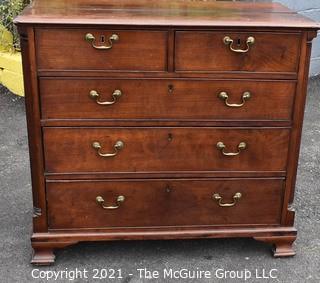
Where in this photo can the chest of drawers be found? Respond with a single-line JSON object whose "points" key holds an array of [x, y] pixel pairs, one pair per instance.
{"points": [[163, 120]]}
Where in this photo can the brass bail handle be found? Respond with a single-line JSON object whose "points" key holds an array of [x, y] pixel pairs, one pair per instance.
{"points": [[117, 147], [227, 40], [119, 200], [221, 146], [224, 96], [218, 198], [115, 96], [89, 37]]}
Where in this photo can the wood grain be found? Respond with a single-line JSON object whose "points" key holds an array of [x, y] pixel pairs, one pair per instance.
{"points": [[73, 204], [295, 141], [206, 52], [35, 141], [63, 49], [163, 13], [165, 149], [183, 100]]}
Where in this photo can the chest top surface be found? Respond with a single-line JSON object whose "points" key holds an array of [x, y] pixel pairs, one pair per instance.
{"points": [[163, 13]]}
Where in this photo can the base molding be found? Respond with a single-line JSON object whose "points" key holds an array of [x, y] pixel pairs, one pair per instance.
{"points": [[282, 245], [44, 243], [43, 252], [43, 256]]}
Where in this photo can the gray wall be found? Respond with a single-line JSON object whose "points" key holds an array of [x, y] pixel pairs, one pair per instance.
{"points": [[311, 9]]}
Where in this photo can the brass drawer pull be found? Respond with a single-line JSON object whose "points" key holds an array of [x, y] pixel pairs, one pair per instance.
{"points": [[221, 146], [90, 38], [227, 40], [218, 198], [224, 96], [100, 201], [117, 147], [115, 95]]}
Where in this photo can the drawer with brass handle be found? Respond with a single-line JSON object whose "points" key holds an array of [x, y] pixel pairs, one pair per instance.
{"points": [[197, 100], [117, 147], [119, 200], [208, 51], [102, 46], [146, 150], [64, 49], [241, 146], [116, 94], [229, 41], [140, 203], [237, 196]]}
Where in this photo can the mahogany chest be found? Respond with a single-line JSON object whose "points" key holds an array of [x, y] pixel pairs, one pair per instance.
{"points": [[163, 120]]}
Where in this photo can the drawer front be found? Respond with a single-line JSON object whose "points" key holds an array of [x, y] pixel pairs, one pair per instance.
{"points": [[74, 204], [165, 149], [207, 52], [68, 49], [166, 99]]}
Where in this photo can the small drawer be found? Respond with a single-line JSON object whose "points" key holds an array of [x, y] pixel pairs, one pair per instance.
{"points": [[147, 203], [237, 51], [165, 149], [98, 49], [196, 100]]}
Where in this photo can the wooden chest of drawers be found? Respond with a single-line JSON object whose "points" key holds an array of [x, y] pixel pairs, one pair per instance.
{"points": [[163, 120]]}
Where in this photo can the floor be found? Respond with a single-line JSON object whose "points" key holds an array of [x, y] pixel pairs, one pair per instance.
{"points": [[212, 255]]}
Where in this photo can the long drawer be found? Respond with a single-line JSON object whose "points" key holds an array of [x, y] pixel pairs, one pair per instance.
{"points": [[165, 149], [99, 49], [93, 98], [214, 51], [142, 203]]}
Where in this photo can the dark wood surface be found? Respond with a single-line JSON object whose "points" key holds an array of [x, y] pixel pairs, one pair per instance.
{"points": [[64, 49], [294, 148], [164, 203], [206, 52], [145, 99], [163, 13], [34, 128], [170, 64], [165, 149]]}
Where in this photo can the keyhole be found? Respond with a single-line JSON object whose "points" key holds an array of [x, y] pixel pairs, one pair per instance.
{"points": [[239, 41], [102, 39], [170, 89], [170, 137], [168, 189]]}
